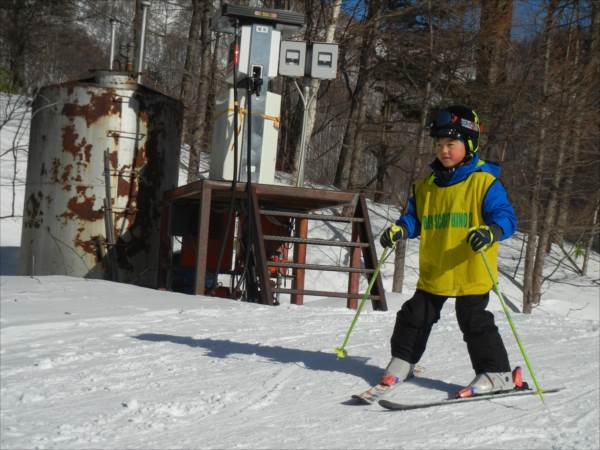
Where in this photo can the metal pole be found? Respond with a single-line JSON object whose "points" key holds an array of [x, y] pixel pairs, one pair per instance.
{"points": [[305, 102], [341, 351], [113, 29], [145, 5], [539, 390]]}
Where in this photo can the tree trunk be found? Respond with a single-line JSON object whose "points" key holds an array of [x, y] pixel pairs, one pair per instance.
{"points": [[210, 101], [534, 206], [347, 170], [567, 189], [191, 52], [382, 154], [568, 100], [198, 137], [494, 39], [548, 223], [590, 241], [400, 257], [132, 62]]}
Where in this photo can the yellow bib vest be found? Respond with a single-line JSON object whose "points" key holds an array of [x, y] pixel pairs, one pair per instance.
{"points": [[447, 264]]}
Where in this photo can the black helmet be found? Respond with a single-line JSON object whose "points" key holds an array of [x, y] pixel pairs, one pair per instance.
{"points": [[457, 122]]}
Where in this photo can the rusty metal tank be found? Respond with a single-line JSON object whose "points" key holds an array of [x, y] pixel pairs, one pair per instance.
{"points": [[64, 219]]}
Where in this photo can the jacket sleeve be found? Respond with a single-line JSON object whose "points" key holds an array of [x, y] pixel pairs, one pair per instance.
{"points": [[497, 210], [409, 220]]}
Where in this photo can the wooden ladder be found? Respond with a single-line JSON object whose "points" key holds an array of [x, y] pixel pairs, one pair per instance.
{"points": [[361, 243]]}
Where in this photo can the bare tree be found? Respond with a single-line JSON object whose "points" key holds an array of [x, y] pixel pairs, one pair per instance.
{"points": [[351, 151], [532, 234], [191, 53], [199, 137]]}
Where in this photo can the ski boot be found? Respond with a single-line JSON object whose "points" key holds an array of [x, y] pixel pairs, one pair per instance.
{"points": [[493, 382], [396, 372]]}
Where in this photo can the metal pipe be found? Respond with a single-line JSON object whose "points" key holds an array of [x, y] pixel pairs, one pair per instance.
{"points": [[305, 99], [145, 5], [113, 29]]}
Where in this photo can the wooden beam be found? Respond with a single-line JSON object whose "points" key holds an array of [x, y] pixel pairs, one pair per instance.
{"points": [[260, 255], [370, 254], [203, 227], [299, 258]]}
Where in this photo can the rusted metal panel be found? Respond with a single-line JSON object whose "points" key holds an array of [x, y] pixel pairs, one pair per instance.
{"points": [[73, 125]]}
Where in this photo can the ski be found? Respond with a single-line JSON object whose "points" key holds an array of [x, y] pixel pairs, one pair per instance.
{"points": [[377, 392], [396, 406]]}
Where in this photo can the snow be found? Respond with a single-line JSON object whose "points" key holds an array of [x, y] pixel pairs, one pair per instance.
{"points": [[96, 364]]}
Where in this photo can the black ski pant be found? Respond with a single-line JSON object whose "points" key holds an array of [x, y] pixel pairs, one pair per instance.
{"points": [[417, 316]]}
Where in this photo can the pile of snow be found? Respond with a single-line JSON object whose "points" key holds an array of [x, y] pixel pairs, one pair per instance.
{"points": [[95, 364]]}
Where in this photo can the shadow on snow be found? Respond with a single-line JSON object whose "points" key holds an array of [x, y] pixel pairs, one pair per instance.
{"points": [[313, 360]]}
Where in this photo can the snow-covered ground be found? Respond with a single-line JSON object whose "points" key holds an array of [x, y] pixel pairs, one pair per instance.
{"points": [[95, 364]]}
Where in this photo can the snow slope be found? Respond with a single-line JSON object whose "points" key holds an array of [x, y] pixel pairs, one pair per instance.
{"points": [[102, 365]]}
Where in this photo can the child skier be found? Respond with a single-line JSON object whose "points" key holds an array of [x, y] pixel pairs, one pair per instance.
{"points": [[458, 210]]}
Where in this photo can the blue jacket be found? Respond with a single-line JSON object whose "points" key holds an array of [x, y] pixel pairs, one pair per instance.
{"points": [[497, 209]]}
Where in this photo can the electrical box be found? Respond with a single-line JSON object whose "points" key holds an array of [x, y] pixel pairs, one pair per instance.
{"points": [[322, 61], [264, 158], [292, 59], [259, 50]]}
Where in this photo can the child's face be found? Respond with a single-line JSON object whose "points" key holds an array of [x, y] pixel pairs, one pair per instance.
{"points": [[450, 152]]}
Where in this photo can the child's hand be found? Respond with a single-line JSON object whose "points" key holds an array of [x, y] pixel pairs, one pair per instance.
{"points": [[392, 235], [480, 238]]}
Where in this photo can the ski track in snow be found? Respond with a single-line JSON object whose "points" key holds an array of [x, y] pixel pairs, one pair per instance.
{"points": [[200, 372]]}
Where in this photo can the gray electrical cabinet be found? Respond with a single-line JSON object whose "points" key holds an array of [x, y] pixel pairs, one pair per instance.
{"points": [[322, 61], [292, 58]]}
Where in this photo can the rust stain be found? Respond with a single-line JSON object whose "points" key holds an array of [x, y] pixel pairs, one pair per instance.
{"points": [[69, 140], [83, 150], [100, 105], [33, 212], [122, 187], [88, 246], [66, 216], [54, 170], [87, 151], [66, 173], [141, 156], [114, 159], [84, 210], [144, 117]]}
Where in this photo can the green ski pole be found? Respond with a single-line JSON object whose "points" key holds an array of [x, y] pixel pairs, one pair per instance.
{"points": [[512, 326], [341, 351]]}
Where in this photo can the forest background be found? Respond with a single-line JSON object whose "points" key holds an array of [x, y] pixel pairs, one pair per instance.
{"points": [[531, 69]]}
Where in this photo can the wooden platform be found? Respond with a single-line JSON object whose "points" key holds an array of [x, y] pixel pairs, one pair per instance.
{"points": [[300, 205]]}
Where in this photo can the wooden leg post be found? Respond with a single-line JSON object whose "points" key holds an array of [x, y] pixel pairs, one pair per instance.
{"points": [[354, 277], [300, 258], [203, 227]]}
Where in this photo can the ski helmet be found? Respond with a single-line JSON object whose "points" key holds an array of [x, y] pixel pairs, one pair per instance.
{"points": [[457, 122]]}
